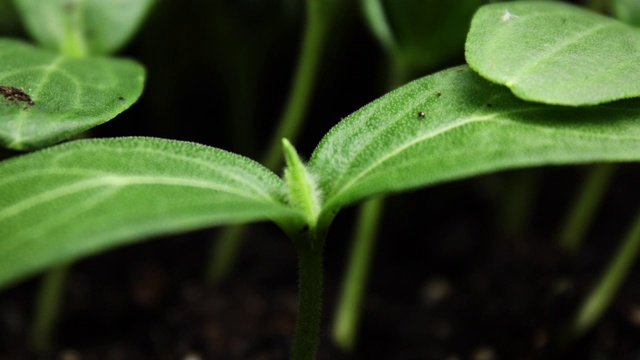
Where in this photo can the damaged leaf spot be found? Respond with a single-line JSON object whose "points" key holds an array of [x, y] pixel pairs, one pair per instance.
{"points": [[420, 114], [15, 94]]}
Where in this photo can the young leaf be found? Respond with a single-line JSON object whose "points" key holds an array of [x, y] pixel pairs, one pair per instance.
{"points": [[70, 95], [428, 32], [555, 53], [303, 193], [88, 27], [455, 124], [627, 11], [87, 196]]}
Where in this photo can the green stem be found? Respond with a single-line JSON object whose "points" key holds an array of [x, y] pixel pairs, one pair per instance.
{"points": [[75, 43], [586, 204], [312, 48], [306, 337], [374, 14], [345, 323], [47, 308], [349, 311], [224, 255], [517, 202], [600, 297]]}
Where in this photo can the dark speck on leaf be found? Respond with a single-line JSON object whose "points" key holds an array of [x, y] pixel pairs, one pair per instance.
{"points": [[439, 94], [15, 94], [489, 105], [120, 98], [420, 114]]}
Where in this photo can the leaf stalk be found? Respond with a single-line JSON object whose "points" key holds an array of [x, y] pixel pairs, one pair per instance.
{"points": [[601, 296]]}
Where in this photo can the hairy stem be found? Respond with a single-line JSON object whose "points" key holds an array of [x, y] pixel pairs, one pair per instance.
{"points": [[306, 337]]}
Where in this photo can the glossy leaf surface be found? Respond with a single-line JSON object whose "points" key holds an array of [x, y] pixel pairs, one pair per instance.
{"points": [[455, 124], [87, 196], [555, 53], [70, 95], [87, 27]]}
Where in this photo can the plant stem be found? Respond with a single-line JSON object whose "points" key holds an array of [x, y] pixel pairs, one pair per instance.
{"points": [[363, 243], [312, 48], [373, 12], [600, 297], [225, 252], [585, 206], [517, 202], [47, 307], [74, 43], [345, 323], [306, 337]]}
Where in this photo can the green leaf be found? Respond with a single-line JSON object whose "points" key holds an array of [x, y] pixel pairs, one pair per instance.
{"points": [[455, 124], [627, 11], [9, 22], [71, 95], [555, 53], [83, 27], [426, 32], [303, 193], [86, 196]]}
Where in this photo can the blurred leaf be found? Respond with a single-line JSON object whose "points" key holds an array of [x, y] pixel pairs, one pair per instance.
{"points": [[83, 27], [87, 196], [555, 53], [242, 35], [429, 32], [455, 124], [71, 95], [9, 21], [376, 17], [627, 11]]}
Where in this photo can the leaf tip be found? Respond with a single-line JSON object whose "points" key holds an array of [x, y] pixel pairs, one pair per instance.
{"points": [[302, 186]]}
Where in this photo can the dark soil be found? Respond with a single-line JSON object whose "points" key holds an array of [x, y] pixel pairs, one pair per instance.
{"points": [[446, 285]]}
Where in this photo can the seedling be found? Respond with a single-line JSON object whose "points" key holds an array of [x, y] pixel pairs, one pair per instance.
{"points": [[126, 188], [84, 197], [521, 46]]}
